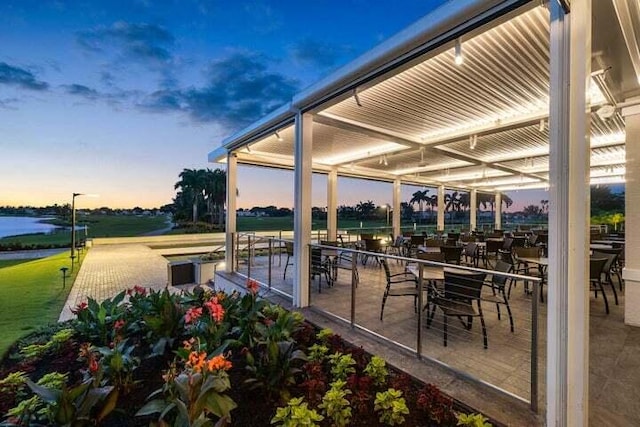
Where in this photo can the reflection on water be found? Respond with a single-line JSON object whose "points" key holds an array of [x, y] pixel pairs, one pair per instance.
{"points": [[15, 225]]}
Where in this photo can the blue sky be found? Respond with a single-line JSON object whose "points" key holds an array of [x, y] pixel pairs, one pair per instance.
{"points": [[117, 97]]}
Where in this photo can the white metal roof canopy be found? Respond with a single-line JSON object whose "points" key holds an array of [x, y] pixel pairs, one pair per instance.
{"points": [[481, 123]]}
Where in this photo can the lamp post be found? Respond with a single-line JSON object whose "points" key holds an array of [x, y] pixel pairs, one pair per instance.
{"points": [[73, 226]]}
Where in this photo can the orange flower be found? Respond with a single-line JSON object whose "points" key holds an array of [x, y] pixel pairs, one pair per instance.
{"points": [[218, 363], [252, 286], [215, 309], [193, 314], [197, 360]]}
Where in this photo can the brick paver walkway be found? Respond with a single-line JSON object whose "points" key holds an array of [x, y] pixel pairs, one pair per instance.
{"points": [[110, 269]]}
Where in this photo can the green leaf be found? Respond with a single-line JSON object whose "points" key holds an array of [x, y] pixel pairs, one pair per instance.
{"points": [[152, 407], [46, 394], [109, 405], [220, 404]]}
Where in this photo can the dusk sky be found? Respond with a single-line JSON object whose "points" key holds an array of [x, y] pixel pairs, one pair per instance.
{"points": [[117, 97]]}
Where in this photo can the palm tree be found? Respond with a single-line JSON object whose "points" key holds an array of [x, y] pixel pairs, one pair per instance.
{"points": [[192, 183], [215, 190], [365, 209], [419, 197]]}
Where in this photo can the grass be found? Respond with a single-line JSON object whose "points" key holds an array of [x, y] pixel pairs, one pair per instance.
{"points": [[31, 295], [11, 262], [99, 226]]}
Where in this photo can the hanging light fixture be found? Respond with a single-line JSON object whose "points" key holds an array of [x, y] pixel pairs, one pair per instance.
{"points": [[458, 53], [473, 141], [384, 159], [356, 97], [279, 137], [542, 125]]}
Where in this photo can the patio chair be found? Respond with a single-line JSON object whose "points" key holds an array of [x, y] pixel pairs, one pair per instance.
{"points": [[289, 248], [319, 267], [471, 254], [616, 268], [371, 245], [524, 268], [400, 284], [607, 270], [452, 254], [491, 250], [507, 244], [460, 291], [498, 285], [596, 267], [397, 247]]}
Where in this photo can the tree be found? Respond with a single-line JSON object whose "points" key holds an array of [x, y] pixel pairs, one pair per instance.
{"points": [[419, 197], [603, 199], [407, 210], [215, 190], [366, 209], [531, 210], [192, 182]]}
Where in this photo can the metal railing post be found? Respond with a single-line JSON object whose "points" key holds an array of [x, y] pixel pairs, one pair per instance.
{"points": [[237, 252], [534, 346], [249, 256], [419, 337], [269, 271], [354, 262], [232, 257]]}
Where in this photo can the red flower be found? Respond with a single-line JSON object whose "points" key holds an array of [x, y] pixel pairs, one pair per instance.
{"points": [[119, 324], [80, 307], [137, 290], [192, 314], [252, 286], [93, 365], [215, 309]]}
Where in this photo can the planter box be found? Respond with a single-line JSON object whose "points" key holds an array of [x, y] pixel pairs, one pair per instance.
{"points": [[180, 273], [204, 271]]}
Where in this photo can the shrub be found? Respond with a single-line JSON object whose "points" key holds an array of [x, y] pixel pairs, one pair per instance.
{"points": [[391, 406], [296, 414], [473, 420], [335, 404], [376, 369], [341, 366]]}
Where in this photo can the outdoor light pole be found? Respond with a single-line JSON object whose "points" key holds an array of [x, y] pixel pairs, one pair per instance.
{"points": [[73, 225]]}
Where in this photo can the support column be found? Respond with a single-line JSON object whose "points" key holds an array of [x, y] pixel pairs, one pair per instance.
{"points": [[332, 205], [441, 208], [302, 208], [473, 210], [568, 293], [498, 212], [397, 210], [631, 272], [230, 217]]}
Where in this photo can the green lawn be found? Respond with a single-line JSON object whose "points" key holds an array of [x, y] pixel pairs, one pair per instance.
{"points": [[9, 262], [99, 226], [31, 295]]}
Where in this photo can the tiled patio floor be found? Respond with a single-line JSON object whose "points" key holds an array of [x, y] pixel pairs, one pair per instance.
{"points": [[614, 378]]}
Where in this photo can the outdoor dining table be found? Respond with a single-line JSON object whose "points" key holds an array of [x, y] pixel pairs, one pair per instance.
{"points": [[428, 249], [542, 263], [608, 242], [596, 246]]}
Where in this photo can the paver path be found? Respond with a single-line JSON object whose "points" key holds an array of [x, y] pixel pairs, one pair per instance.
{"points": [[110, 269]]}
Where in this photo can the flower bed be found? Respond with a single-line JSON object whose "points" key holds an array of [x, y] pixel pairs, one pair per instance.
{"points": [[205, 359]]}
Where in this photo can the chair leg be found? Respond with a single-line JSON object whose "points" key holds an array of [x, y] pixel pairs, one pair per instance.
{"points": [[484, 328], [445, 330], [506, 302], [498, 309], [615, 293], [604, 296], [384, 300]]}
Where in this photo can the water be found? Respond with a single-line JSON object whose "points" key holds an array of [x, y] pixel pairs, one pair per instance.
{"points": [[15, 225]]}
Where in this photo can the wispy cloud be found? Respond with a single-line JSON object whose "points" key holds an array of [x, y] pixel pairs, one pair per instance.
{"points": [[239, 89], [8, 103], [21, 77], [144, 43], [81, 90]]}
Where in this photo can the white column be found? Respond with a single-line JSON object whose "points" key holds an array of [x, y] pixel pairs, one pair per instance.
{"points": [[230, 217], [498, 212], [397, 210], [332, 205], [473, 209], [302, 208], [441, 208], [631, 271], [568, 295]]}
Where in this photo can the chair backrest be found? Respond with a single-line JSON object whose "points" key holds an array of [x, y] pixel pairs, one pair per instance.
{"points": [[316, 258], [452, 235], [611, 259], [407, 233], [493, 246], [289, 248], [341, 240], [417, 240], [507, 244], [451, 253], [532, 252], [329, 243], [399, 242], [499, 280], [518, 241], [373, 245], [532, 240], [471, 249], [431, 256], [365, 236], [596, 267], [433, 243], [463, 286], [506, 256]]}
